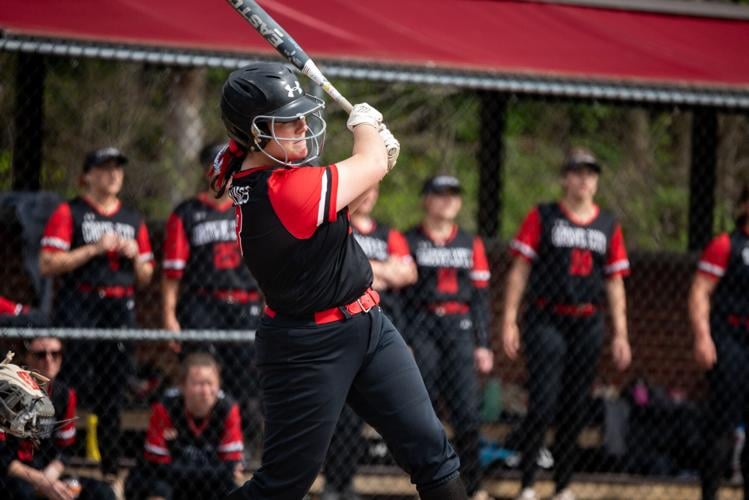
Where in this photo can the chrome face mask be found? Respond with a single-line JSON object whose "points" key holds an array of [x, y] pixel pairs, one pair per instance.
{"points": [[314, 135]]}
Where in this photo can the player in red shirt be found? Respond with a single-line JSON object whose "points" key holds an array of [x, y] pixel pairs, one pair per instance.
{"points": [[719, 314], [449, 316], [194, 444], [323, 340], [99, 251], [206, 286], [392, 269], [28, 472], [567, 256]]}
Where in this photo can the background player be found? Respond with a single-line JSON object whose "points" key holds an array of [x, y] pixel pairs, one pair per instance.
{"points": [[27, 472], [101, 251], [449, 316], [719, 314], [568, 253], [323, 341], [194, 441], [205, 284], [392, 268]]}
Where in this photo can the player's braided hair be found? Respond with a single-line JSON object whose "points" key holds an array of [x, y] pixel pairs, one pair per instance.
{"points": [[228, 161]]}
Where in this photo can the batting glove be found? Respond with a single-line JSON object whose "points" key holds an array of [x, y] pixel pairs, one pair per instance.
{"points": [[392, 145], [363, 113]]}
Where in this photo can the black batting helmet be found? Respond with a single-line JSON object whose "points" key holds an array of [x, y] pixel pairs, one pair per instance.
{"points": [[255, 96]]}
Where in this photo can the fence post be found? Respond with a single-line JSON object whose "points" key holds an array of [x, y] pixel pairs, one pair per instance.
{"points": [[29, 122], [702, 177], [491, 159]]}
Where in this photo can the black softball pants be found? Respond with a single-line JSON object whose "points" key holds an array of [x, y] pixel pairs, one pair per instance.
{"points": [[308, 372], [444, 347], [727, 407], [561, 354], [346, 448], [98, 369]]}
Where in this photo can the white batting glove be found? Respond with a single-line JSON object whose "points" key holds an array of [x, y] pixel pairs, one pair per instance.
{"points": [[363, 113], [392, 145]]}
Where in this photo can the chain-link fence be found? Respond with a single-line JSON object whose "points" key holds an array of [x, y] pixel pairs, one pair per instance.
{"points": [[519, 297]]}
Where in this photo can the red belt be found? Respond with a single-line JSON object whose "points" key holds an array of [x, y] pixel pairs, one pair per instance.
{"points": [[110, 292], [363, 304], [568, 309], [450, 307], [231, 296]]}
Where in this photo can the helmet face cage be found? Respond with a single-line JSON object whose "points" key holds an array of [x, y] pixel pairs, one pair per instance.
{"points": [[262, 129]]}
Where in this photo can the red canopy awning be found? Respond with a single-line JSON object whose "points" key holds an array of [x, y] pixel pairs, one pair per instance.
{"points": [[486, 38]]}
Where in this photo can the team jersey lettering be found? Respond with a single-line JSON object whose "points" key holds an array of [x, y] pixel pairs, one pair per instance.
{"points": [[429, 256], [374, 248], [93, 230], [581, 262], [226, 255], [565, 236], [214, 230]]}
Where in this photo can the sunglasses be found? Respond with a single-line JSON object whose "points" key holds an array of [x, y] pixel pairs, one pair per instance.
{"points": [[43, 354]]}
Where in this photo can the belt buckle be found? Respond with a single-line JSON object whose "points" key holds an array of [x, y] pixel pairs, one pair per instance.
{"points": [[363, 309]]}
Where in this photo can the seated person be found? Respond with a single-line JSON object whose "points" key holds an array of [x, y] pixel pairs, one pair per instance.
{"points": [[194, 444], [27, 472]]}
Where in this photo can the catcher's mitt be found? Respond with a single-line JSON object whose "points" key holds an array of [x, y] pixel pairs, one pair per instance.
{"points": [[25, 409]]}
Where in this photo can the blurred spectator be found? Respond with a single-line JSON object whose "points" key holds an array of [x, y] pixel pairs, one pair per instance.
{"points": [[17, 315], [194, 445], [392, 268], [100, 250], [568, 253], [27, 472], [206, 285], [449, 317], [719, 314]]}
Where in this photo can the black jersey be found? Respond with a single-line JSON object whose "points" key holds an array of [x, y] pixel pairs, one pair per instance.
{"points": [[300, 250], [454, 272], [175, 437], [727, 259], [77, 223], [54, 448], [201, 249], [571, 260], [379, 244]]}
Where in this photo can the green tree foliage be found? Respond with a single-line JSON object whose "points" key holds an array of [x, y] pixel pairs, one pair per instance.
{"points": [[645, 152]]}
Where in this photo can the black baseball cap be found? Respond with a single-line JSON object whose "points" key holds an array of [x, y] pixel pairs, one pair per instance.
{"points": [[441, 184], [579, 157], [100, 156], [209, 153]]}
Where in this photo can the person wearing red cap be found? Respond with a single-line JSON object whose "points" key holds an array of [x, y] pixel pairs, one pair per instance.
{"points": [[99, 250], [567, 256], [719, 315]]}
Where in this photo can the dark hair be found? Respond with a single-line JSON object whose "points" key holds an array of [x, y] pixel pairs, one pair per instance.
{"points": [[226, 164], [198, 359], [26, 344]]}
